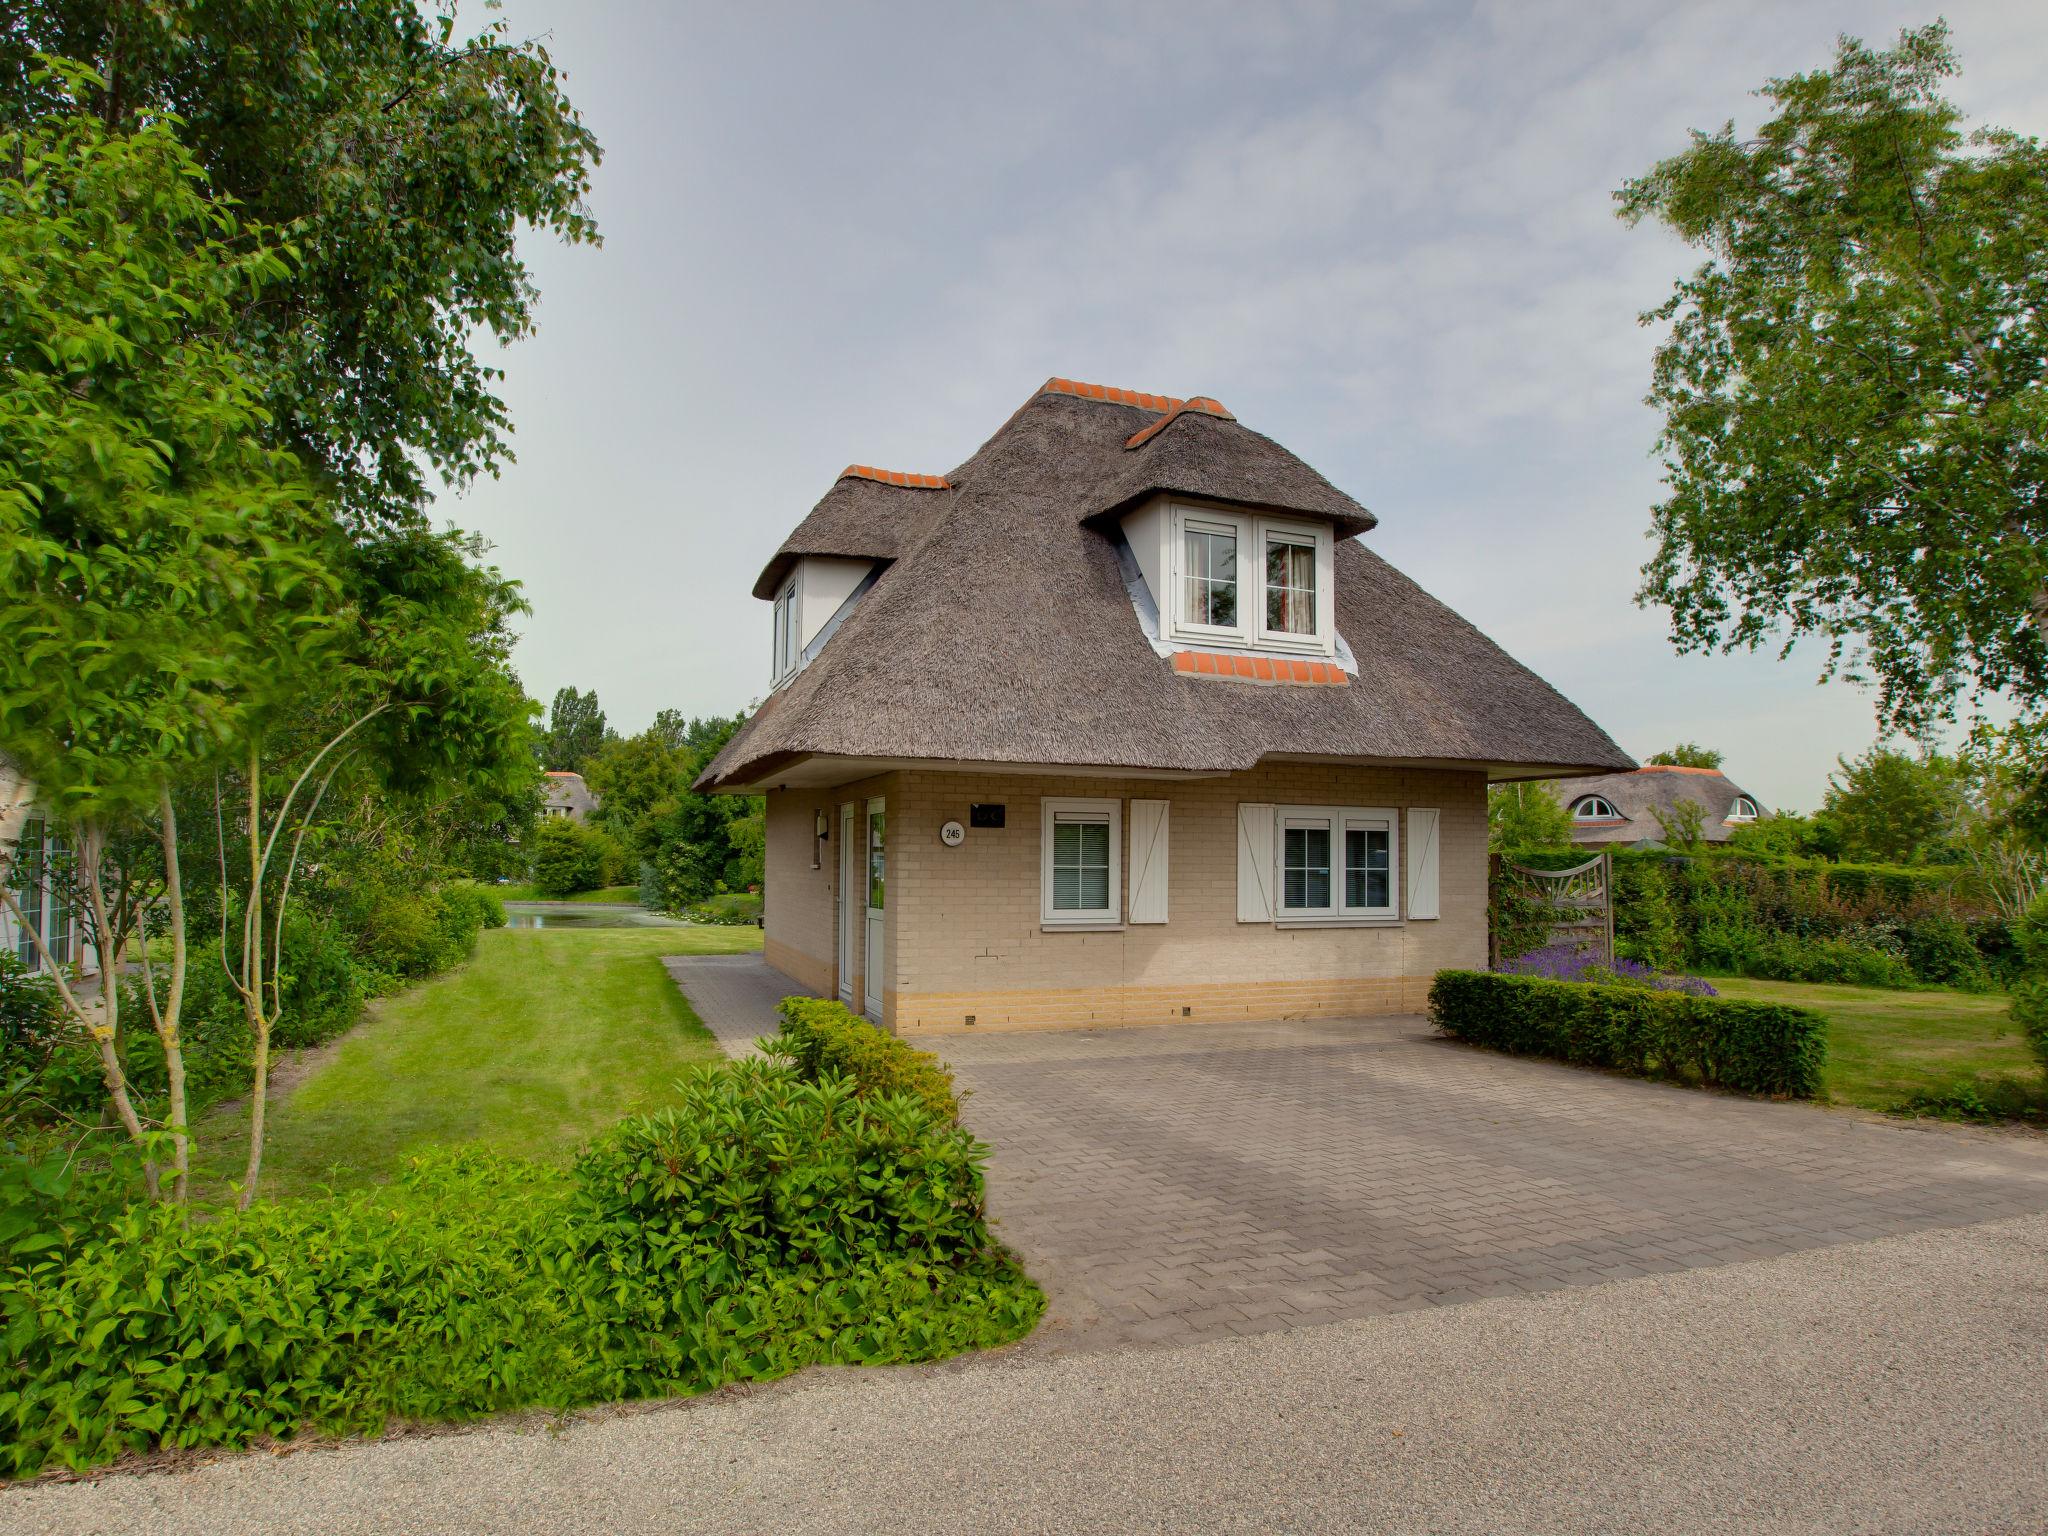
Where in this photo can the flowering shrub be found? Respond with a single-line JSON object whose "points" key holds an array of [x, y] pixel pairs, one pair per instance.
{"points": [[1568, 962]]}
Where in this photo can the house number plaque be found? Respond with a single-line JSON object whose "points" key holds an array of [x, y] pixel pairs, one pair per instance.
{"points": [[952, 834]]}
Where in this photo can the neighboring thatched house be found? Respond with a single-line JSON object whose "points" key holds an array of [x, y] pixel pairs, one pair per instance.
{"points": [[568, 796], [1118, 723], [1621, 808]]}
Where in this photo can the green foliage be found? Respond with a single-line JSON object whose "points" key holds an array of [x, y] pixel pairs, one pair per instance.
{"points": [[575, 733], [1686, 754], [405, 157], [1525, 816], [569, 857], [1891, 808], [1522, 920], [2030, 992], [164, 574], [1645, 916], [1681, 824], [733, 909], [762, 1224], [1760, 1048], [824, 1040], [1872, 279]]}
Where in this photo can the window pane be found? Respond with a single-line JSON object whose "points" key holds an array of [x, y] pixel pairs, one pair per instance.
{"points": [[1305, 868], [1211, 578], [877, 870], [1290, 588], [1080, 866], [1368, 873]]}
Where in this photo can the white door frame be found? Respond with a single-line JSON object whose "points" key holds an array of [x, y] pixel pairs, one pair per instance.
{"points": [[871, 955], [850, 887]]}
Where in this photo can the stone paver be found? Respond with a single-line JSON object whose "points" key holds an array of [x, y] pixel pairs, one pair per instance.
{"points": [[735, 996], [1168, 1185]]}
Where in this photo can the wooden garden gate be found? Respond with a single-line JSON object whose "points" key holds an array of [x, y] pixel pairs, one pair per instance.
{"points": [[1581, 901]]}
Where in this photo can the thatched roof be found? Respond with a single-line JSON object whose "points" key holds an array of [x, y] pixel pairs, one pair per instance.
{"points": [[1641, 794], [861, 516], [1003, 632]]}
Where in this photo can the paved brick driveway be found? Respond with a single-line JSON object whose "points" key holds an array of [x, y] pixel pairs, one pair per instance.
{"points": [[1169, 1184]]}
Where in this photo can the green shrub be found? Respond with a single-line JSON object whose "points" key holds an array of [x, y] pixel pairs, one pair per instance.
{"points": [[2029, 1008], [1754, 1047], [762, 1224], [1645, 916], [824, 1040], [728, 909], [569, 857]]}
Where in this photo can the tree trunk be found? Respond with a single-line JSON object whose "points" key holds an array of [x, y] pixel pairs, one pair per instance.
{"points": [[169, 1022], [89, 851], [252, 984]]}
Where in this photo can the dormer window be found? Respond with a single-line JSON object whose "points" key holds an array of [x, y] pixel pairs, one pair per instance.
{"points": [[1744, 809], [788, 645], [1595, 808], [1213, 555]]}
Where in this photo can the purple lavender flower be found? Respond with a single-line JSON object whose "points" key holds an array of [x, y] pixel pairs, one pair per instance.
{"points": [[1569, 962]]}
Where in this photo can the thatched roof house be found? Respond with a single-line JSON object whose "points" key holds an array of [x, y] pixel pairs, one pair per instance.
{"points": [[1123, 605], [567, 796], [1624, 808]]}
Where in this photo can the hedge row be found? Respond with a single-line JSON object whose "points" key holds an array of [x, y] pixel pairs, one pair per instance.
{"points": [[824, 1040], [761, 1224], [1763, 1048]]}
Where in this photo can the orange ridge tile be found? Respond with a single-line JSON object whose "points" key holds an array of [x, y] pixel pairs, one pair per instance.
{"points": [[1201, 403], [896, 477], [1260, 669], [1111, 394]]}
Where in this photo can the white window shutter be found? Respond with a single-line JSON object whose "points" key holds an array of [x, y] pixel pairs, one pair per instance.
{"points": [[1148, 861], [1422, 862], [1255, 863]]}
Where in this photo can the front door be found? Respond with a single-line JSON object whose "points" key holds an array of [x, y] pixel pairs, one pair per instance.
{"points": [[877, 874], [851, 902]]}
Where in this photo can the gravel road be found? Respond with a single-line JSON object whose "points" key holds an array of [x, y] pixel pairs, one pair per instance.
{"points": [[1899, 1385]]}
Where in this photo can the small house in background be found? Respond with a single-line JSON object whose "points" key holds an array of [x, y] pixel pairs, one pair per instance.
{"points": [[35, 855], [568, 797], [1621, 809]]}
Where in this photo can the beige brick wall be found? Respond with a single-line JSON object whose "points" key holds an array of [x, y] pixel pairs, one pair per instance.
{"points": [[964, 935]]}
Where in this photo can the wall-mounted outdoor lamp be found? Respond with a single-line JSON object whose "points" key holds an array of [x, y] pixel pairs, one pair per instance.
{"points": [[823, 824]]}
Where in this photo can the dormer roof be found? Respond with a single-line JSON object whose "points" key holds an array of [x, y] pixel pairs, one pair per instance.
{"points": [[869, 514], [1002, 631]]}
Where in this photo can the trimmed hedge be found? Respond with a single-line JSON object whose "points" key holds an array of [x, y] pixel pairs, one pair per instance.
{"points": [[824, 1040], [1764, 1048]]}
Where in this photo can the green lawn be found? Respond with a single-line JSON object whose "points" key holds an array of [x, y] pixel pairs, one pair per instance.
{"points": [[625, 895], [542, 1038], [1887, 1048]]}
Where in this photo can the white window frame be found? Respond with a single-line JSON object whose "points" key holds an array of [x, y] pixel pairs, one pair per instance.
{"points": [[1069, 809], [786, 650], [1338, 819], [1251, 532], [1737, 813], [1582, 809]]}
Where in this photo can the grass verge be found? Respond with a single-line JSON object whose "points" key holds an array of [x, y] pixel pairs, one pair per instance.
{"points": [[541, 1039], [1933, 1050]]}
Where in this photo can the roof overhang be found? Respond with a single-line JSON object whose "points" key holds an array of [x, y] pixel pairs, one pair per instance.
{"points": [[1342, 527], [825, 770]]}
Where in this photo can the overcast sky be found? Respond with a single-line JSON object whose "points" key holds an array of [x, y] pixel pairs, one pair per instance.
{"points": [[1381, 233]]}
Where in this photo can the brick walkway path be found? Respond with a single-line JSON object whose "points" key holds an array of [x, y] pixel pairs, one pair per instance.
{"points": [[735, 996], [1178, 1183]]}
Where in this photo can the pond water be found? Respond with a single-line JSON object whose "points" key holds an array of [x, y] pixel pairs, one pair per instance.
{"points": [[555, 914]]}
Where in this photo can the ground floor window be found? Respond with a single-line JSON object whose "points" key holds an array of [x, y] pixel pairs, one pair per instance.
{"points": [[1080, 876], [41, 881], [1336, 862]]}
